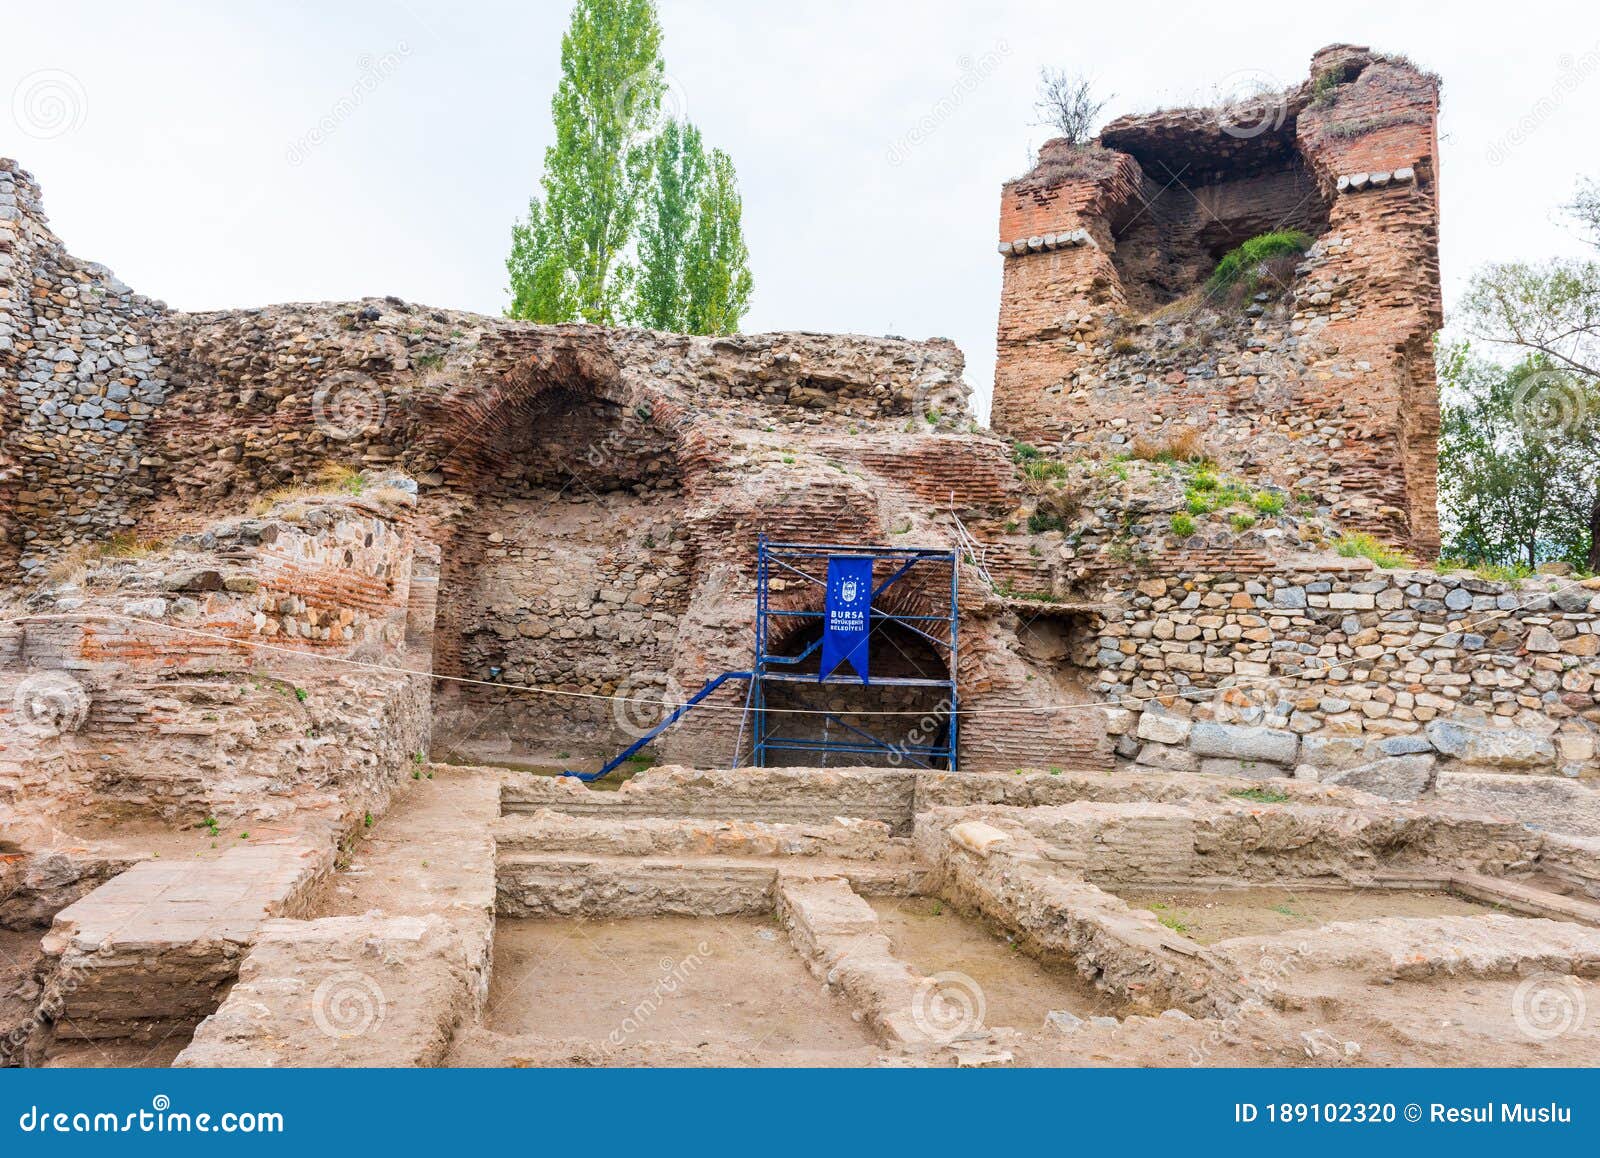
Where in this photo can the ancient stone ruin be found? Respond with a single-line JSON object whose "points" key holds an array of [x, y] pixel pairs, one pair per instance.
{"points": [[1326, 383], [303, 604]]}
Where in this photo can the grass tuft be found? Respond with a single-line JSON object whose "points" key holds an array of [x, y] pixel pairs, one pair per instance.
{"points": [[1243, 265], [1364, 546]]}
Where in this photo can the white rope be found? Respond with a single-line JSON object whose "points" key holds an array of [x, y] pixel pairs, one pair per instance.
{"points": [[1128, 701]]}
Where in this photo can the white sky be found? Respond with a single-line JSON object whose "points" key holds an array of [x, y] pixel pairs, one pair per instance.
{"points": [[174, 164]]}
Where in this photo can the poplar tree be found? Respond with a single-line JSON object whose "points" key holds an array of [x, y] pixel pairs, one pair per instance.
{"points": [[716, 269], [631, 223], [666, 226], [569, 257]]}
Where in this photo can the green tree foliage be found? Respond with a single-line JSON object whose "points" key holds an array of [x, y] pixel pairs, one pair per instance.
{"points": [[1519, 460], [569, 257], [716, 269], [666, 226], [631, 224], [1551, 311]]}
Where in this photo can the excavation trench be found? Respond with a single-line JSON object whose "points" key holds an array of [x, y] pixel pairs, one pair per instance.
{"points": [[665, 983]]}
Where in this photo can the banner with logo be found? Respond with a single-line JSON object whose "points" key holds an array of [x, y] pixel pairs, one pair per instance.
{"points": [[847, 615]]}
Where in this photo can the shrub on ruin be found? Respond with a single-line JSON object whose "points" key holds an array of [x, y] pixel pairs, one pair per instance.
{"points": [[1042, 521], [1041, 469], [1183, 525], [1268, 502], [1187, 445], [1245, 265], [1066, 102]]}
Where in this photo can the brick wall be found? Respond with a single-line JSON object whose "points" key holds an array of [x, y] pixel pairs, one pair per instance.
{"points": [[1106, 335]]}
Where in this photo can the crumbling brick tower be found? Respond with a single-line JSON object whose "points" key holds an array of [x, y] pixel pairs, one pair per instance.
{"points": [[1322, 381]]}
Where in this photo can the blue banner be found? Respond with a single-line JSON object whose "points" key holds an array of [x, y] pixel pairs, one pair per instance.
{"points": [[847, 615]]}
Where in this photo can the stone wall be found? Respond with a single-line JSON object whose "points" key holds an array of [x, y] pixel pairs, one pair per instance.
{"points": [[78, 382], [247, 673], [1322, 377], [593, 498], [1396, 682]]}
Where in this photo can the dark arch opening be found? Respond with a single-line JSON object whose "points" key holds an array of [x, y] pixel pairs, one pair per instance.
{"points": [[565, 565]]}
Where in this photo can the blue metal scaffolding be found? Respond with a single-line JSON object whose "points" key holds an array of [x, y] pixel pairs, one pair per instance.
{"points": [[797, 562], [940, 629]]}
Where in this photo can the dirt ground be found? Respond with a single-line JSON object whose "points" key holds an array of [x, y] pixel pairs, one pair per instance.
{"points": [[1218, 914], [19, 993], [1018, 991], [686, 985], [1541, 1020], [548, 764], [168, 842]]}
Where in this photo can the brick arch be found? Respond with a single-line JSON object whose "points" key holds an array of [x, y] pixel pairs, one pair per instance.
{"points": [[471, 426], [556, 491]]}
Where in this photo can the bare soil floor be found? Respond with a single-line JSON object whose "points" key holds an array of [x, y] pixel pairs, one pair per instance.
{"points": [[1217, 914], [547, 764], [671, 990], [19, 992], [168, 842], [1541, 1020], [19, 950], [1018, 990]]}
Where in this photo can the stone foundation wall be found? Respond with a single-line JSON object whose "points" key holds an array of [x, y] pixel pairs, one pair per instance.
{"points": [[1385, 681], [248, 672]]}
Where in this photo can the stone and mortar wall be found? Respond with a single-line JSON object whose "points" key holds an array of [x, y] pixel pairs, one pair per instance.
{"points": [[78, 382], [1397, 682], [670, 454], [728, 438], [198, 681], [1330, 386]]}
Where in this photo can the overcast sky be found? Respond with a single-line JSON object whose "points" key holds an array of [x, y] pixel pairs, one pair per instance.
{"points": [[195, 148]]}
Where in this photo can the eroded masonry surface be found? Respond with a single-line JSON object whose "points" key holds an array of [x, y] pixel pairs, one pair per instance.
{"points": [[304, 604]]}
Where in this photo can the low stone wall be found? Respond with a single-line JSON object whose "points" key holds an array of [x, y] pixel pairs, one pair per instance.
{"points": [[1396, 682]]}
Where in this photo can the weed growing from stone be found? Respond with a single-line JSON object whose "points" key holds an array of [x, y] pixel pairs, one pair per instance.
{"points": [[1260, 795]]}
